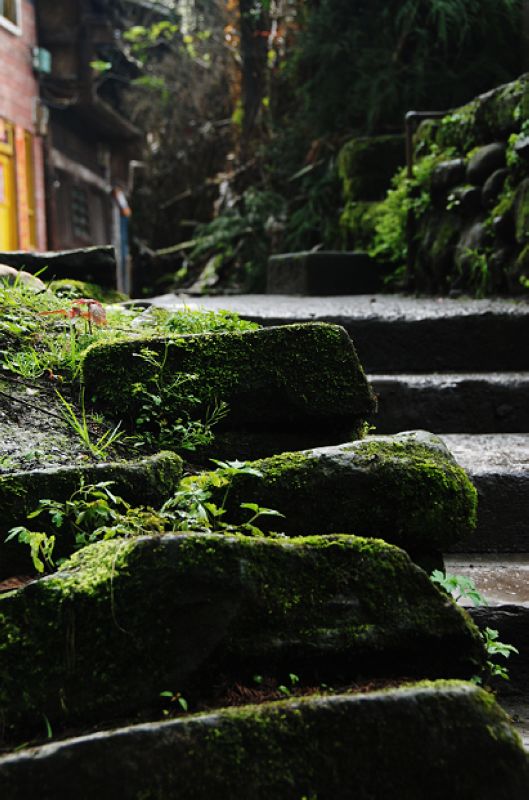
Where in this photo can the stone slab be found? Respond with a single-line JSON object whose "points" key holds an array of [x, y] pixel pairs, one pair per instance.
{"points": [[97, 264], [452, 402], [435, 741], [325, 272], [498, 465], [125, 619], [399, 333]]}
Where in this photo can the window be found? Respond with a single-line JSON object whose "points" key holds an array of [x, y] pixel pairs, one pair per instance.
{"points": [[80, 212], [10, 14]]}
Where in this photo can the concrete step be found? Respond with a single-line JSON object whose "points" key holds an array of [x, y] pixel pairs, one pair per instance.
{"points": [[498, 465], [325, 272], [495, 402], [397, 333]]}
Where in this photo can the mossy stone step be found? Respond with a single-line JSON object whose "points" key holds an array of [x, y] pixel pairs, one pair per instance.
{"points": [[147, 481], [126, 619], [406, 489], [298, 378], [326, 272], [400, 333], [409, 744]]}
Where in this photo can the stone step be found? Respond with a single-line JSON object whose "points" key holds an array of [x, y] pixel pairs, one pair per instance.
{"points": [[498, 465], [504, 582], [397, 333], [477, 402], [325, 272]]}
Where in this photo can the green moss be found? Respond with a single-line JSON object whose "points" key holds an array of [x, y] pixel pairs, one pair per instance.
{"points": [[402, 491], [124, 620], [458, 129], [366, 166], [268, 377], [521, 213], [358, 224], [72, 289]]}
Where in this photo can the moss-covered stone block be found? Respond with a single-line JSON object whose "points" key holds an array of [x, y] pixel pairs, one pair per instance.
{"points": [[124, 620], [434, 740], [358, 223], [147, 481], [72, 290], [367, 164], [292, 378], [406, 489], [437, 234]]}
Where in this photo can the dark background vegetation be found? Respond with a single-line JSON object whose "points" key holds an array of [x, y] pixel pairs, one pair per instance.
{"points": [[245, 105]]}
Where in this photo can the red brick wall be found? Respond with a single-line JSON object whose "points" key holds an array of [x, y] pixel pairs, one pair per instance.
{"points": [[18, 93]]}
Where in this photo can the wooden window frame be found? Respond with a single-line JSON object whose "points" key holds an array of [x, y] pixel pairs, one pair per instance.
{"points": [[12, 27]]}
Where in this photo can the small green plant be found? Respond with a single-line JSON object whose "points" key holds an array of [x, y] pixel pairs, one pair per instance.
{"points": [[40, 544], [154, 425], [98, 446], [191, 507], [174, 698], [462, 588]]}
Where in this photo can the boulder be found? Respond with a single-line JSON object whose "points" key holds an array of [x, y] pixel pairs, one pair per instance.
{"points": [[466, 200], [96, 264], [493, 186], [10, 276], [293, 379], [429, 740], [447, 174], [437, 235], [406, 489], [485, 161], [125, 619], [146, 481]]}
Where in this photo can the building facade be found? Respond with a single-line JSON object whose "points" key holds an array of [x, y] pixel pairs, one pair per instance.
{"points": [[22, 194]]}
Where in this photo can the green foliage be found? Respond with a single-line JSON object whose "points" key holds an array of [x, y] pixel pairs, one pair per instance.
{"points": [[462, 588], [154, 426], [98, 446], [40, 544], [407, 195], [405, 53], [240, 239]]}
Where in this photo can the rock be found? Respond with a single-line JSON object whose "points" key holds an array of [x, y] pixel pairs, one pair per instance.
{"points": [[147, 481], [412, 743], [324, 273], [447, 174], [493, 187], [484, 162], [406, 489], [97, 264], [499, 112], [521, 147], [466, 200], [437, 235], [295, 378], [72, 289], [521, 212], [125, 619], [366, 165], [10, 275], [469, 254]]}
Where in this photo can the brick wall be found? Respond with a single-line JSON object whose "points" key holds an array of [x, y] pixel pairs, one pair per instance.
{"points": [[18, 92]]}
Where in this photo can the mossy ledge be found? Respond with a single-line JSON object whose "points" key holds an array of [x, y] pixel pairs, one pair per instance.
{"points": [[126, 619], [290, 377], [411, 743], [147, 481], [406, 489]]}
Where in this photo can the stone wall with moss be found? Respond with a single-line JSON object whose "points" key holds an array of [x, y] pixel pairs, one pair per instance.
{"points": [[461, 223]]}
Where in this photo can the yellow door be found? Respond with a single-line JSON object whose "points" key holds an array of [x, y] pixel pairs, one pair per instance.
{"points": [[8, 202]]}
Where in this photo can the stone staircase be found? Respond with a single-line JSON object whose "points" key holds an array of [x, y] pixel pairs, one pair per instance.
{"points": [[459, 368]]}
